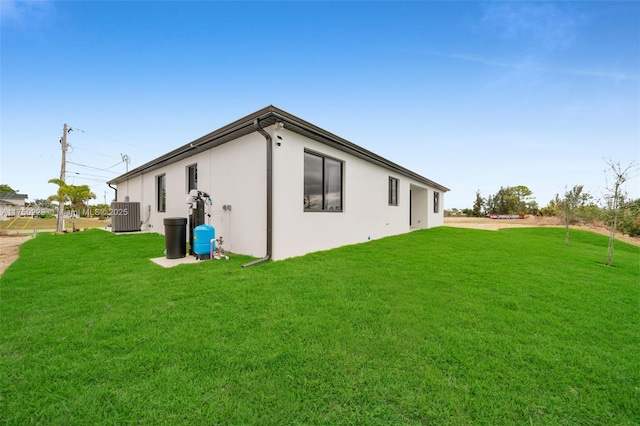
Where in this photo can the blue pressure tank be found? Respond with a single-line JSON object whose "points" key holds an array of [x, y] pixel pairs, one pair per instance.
{"points": [[202, 236]]}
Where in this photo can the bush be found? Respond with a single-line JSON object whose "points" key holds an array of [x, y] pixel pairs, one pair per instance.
{"points": [[629, 219]]}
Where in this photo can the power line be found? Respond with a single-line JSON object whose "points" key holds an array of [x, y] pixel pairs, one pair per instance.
{"points": [[73, 173], [89, 179], [109, 138], [87, 150], [93, 152], [125, 158], [98, 168]]}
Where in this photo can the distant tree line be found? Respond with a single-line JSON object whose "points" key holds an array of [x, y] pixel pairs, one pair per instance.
{"points": [[508, 200], [615, 209], [572, 208]]}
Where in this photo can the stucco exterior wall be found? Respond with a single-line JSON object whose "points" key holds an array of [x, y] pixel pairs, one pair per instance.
{"points": [[366, 213], [232, 174], [237, 179], [436, 219]]}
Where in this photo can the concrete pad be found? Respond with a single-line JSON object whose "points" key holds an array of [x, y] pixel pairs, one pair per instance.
{"points": [[170, 263]]}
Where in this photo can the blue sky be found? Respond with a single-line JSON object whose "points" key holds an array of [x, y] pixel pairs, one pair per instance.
{"points": [[472, 95]]}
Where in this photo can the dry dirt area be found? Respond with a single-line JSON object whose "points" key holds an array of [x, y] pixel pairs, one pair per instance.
{"points": [[9, 247], [495, 224]]}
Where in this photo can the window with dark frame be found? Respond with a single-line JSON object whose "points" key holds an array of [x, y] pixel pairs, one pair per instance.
{"points": [[192, 177], [322, 183], [161, 193], [436, 201], [393, 191]]}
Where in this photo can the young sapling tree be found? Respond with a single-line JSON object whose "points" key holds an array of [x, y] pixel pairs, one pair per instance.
{"points": [[616, 176]]}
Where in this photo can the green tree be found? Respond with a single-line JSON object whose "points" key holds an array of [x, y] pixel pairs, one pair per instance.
{"points": [[526, 203], [6, 189], [630, 218], [79, 195], [501, 202], [75, 196], [589, 211], [568, 207], [512, 200], [552, 208], [478, 205], [44, 203]]}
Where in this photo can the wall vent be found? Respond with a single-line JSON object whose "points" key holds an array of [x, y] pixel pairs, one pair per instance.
{"points": [[125, 217]]}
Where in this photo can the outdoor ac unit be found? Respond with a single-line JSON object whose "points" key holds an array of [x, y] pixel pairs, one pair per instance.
{"points": [[125, 216]]}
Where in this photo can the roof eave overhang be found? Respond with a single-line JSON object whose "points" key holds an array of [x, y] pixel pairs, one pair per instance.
{"points": [[267, 117]]}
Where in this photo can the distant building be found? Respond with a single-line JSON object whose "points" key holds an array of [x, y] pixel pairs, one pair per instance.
{"points": [[12, 205]]}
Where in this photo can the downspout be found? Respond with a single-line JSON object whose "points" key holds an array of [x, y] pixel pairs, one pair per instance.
{"points": [[267, 137], [115, 189]]}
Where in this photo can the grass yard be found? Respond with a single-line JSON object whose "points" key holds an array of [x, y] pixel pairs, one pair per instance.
{"points": [[440, 326]]}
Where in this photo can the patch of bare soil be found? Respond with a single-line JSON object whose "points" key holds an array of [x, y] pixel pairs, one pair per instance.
{"points": [[9, 249], [530, 221]]}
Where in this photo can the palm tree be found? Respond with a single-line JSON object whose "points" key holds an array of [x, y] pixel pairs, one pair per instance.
{"points": [[76, 196]]}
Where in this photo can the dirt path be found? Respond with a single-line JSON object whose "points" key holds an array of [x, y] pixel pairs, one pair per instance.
{"points": [[496, 224], [9, 249]]}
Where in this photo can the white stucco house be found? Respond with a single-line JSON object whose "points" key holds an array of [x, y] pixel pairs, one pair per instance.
{"points": [[12, 205], [283, 187]]}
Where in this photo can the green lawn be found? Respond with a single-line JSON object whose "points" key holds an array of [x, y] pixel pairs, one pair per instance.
{"points": [[441, 326]]}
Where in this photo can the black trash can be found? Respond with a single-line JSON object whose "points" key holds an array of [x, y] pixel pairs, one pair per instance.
{"points": [[175, 237]]}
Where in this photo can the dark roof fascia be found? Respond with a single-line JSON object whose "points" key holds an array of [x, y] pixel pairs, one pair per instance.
{"points": [[267, 117], [225, 134], [7, 196]]}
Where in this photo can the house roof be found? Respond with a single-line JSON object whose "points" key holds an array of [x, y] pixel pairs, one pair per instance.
{"points": [[13, 197], [267, 117]]}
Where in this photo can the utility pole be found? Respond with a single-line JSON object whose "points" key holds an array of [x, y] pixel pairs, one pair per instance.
{"points": [[126, 160], [63, 172]]}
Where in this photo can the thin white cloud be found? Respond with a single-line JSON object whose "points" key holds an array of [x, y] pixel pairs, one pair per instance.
{"points": [[8, 10], [528, 66], [24, 13], [542, 26]]}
